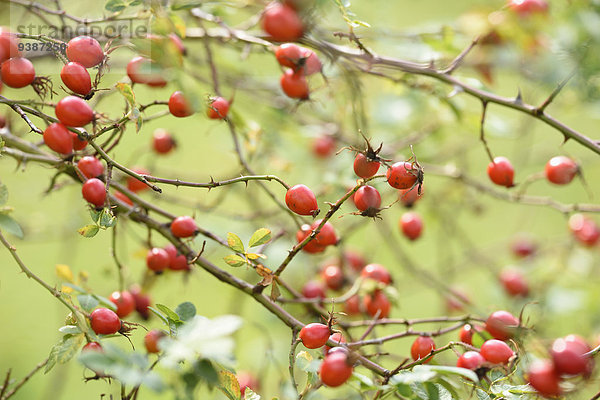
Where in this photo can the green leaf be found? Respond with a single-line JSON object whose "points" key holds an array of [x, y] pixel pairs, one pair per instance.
{"points": [[206, 371], [89, 231], [447, 370], [185, 4], [481, 395], [307, 363], [105, 302], [3, 194], [235, 243], [8, 224], [234, 260], [64, 350], [115, 5], [87, 302], [95, 215], [186, 311], [69, 330], [107, 219], [74, 287], [159, 315], [261, 236], [366, 383], [170, 314], [417, 375], [127, 92], [250, 395], [479, 337], [228, 384]]}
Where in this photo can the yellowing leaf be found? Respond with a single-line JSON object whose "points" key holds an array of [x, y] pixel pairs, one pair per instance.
{"points": [[234, 260], [64, 272], [228, 384], [261, 236], [235, 243]]}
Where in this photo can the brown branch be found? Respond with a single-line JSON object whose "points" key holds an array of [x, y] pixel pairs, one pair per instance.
{"points": [[24, 380]]}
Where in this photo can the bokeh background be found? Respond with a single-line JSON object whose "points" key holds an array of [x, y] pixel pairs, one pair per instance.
{"points": [[467, 235]]}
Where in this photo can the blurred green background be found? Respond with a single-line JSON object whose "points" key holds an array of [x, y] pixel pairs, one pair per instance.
{"points": [[467, 234]]}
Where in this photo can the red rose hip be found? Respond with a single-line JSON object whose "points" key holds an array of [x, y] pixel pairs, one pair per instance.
{"points": [[105, 321], [501, 172], [124, 301], [94, 191], [301, 200], [74, 111], [314, 335], [183, 227], [85, 50]]}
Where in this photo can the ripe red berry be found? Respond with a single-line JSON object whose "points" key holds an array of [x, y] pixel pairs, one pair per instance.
{"points": [[247, 380], [408, 197], [177, 262], [411, 225], [294, 85], [151, 340], [94, 191], [367, 197], [377, 272], [179, 105], [402, 175], [85, 50], [282, 22], [90, 167], [218, 108], [470, 360], [352, 305], [58, 138], [142, 301], [501, 172], [496, 351], [17, 72], [310, 62], [335, 369], [134, 184], [364, 167], [76, 78], [327, 235], [313, 290], [528, 7], [377, 303], [301, 200], [143, 70], [421, 348], [311, 247], [78, 144], [74, 111], [543, 377], [523, 246], [514, 283], [585, 230], [157, 259], [183, 227], [333, 276], [561, 170], [314, 335], [121, 197], [9, 45], [337, 338], [323, 146], [501, 325], [124, 301], [467, 332], [288, 55], [355, 260], [162, 141], [568, 355], [105, 321], [92, 346]]}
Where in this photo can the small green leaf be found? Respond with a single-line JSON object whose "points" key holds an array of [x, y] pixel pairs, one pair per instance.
{"points": [[115, 5], [8, 224], [159, 315], [107, 219], [105, 302], [235, 243], [95, 215], [64, 350], [87, 302], [89, 231], [170, 314], [261, 236], [481, 395], [69, 330], [3, 193], [234, 260], [250, 395], [186, 311], [228, 384], [479, 337], [127, 92], [447, 370]]}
